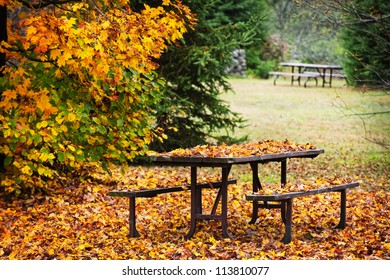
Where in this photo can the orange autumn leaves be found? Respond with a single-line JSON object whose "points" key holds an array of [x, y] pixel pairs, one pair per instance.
{"points": [[95, 45], [118, 39]]}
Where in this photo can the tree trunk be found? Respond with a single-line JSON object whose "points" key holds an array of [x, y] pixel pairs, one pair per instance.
{"points": [[3, 37], [3, 33]]}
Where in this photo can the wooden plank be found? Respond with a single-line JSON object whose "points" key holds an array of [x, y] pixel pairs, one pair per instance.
{"points": [[309, 65], [289, 74], [334, 75], [175, 159]]}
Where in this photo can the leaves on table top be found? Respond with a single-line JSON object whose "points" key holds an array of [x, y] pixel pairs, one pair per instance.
{"points": [[235, 150]]}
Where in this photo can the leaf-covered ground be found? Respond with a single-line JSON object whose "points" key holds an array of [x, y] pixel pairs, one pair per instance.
{"points": [[81, 221]]}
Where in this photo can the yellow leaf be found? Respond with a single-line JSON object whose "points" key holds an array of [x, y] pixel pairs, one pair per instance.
{"points": [[105, 24], [42, 124], [71, 117], [26, 170], [54, 132], [43, 103], [59, 119], [72, 148], [64, 128], [61, 61], [56, 53]]}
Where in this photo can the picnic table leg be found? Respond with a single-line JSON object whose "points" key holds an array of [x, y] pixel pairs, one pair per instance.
{"points": [[330, 77], [256, 186], [276, 77], [194, 202], [292, 77], [224, 192], [283, 172], [287, 204], [218, 198], [297, 79], [283, 181], [132, 218], [343, 209], [283, 211]]}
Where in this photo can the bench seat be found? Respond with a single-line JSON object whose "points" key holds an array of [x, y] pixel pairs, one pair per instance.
{"points": [[133, 194], [334, 75], [306, 75], [285, 204]]}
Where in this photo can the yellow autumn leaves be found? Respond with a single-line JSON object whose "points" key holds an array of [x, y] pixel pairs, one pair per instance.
{"points": [[120, 39], [80, 90]]}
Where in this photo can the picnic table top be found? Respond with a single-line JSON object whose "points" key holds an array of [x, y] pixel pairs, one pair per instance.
{"points": [[205, 160], [309, 65]]}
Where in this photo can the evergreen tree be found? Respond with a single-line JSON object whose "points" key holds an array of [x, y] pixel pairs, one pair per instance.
{"points": [[192, 111], [366, 38]]}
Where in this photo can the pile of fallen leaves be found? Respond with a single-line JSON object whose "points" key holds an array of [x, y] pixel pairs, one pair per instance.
{"points": [[240, 150], [81, 221]]}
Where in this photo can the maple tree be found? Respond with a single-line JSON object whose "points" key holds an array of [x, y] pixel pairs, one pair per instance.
{"points": [[79, 85], [192, 111]]}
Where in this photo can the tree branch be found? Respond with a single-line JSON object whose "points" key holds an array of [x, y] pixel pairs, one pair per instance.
{"points": [[46, 3]]}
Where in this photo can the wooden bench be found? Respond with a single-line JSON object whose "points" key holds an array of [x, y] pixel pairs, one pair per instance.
{"points": [[306, 75], [334, 75], [285, 204], [132, 195]]}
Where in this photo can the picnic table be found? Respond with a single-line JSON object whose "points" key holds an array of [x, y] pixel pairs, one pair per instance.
{"points": [[226, 163], [224, 157], [299, 70]]}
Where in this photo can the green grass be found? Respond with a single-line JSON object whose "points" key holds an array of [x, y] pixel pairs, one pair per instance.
{"points": [[325, 117], [312, 114]]}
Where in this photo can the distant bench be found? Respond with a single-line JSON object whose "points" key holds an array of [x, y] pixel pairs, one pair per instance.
{"points": [[307, 75], [132, 195], [285, 204], [333, 75]]}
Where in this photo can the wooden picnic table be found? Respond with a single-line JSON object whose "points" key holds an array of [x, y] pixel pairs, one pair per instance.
{"points": [[305, 68], [226, 163]]}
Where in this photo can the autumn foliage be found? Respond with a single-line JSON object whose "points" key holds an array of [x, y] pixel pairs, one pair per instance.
{"points": [[79, 84]]}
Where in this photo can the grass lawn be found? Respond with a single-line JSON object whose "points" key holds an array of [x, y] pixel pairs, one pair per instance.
{"points": [[326, 117], [323, 116]]}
